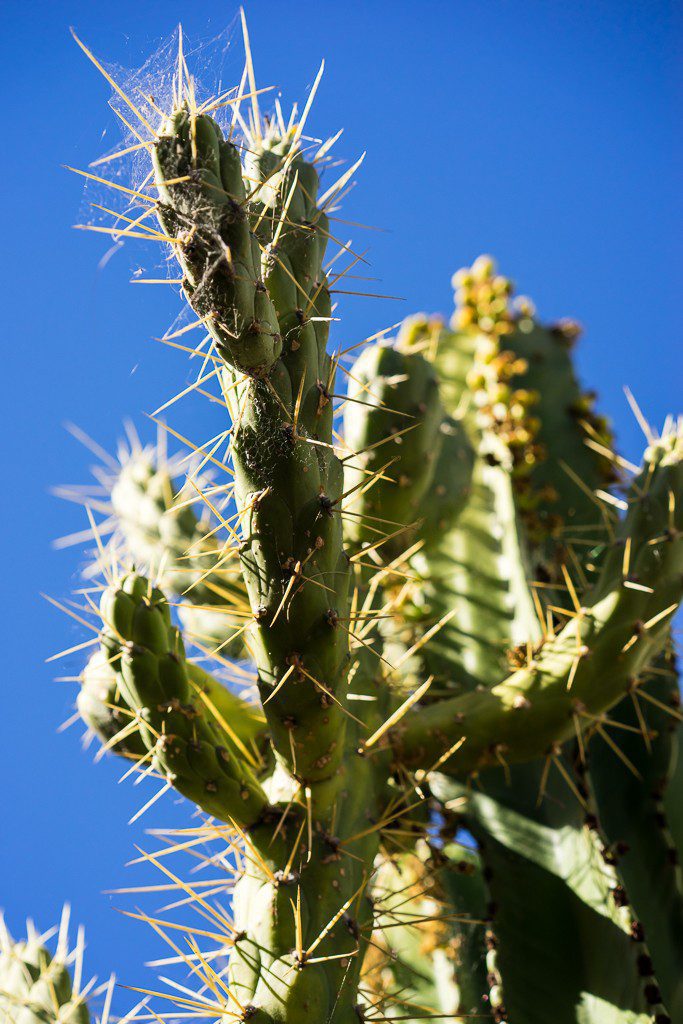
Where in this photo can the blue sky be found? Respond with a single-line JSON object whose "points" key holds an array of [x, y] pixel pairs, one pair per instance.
{"points": [[542, 132]]}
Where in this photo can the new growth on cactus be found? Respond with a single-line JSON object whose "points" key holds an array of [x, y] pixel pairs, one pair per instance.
{"points": [[38, 986], [406, 646]]}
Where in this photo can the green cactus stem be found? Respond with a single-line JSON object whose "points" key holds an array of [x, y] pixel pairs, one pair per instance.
{"points": [[219, 255], [36, 986], [159, 529], [185, 739], [288, 481], [392, 420], [587, 667]]}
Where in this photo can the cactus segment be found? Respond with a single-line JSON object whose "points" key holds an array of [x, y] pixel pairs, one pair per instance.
{"points": [[202, 207], [160, 531], [185, 739], [392, 421], [514, 386], [551, 894], [288, 482], [474, 576], [636, 824], [293, 232], [589, 664], [36, 985]]}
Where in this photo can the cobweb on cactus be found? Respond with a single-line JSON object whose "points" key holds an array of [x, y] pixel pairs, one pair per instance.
{"points": [[143, 97], [150, 90], [113, 183]]}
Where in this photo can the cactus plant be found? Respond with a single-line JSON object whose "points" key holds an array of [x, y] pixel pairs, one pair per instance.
{"points": [[449, 799], [36, 985]]}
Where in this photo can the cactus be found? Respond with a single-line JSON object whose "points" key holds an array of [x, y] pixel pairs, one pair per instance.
{"points": [[155, 526], [446, 611], [36, 986]]}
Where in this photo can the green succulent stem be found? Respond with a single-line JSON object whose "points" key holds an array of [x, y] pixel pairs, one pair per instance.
{"points": [[592, 661], [184, 739], [36, 986], [288, 482]]}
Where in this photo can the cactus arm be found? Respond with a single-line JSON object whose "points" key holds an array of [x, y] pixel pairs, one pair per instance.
{"points": [[292, 231], [562, 944], [477, 570], [269, 967], [159, 529], [36, 986], [292, 556], [218, 254], [512, 382], [184, 741], [635, 822], [414, 460], [330, 876], [392, 393], [589, 664]]}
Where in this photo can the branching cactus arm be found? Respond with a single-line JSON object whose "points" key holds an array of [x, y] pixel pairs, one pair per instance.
{"points": [[38, 986], [184, 742], [287, 481], [592, 661]]}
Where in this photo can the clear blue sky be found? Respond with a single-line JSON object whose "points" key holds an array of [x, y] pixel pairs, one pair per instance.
{"points": [[543, 132]]}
